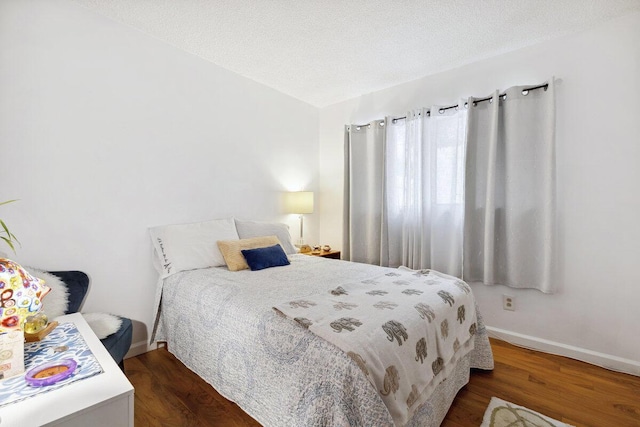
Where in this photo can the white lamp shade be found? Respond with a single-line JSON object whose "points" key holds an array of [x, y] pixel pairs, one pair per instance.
{"points": [[298, 202]]}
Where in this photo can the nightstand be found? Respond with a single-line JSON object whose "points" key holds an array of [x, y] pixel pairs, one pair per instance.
{"points": [[102, 400], [326, 254]]}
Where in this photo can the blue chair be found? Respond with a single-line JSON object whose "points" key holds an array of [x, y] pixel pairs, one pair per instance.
{"points": [[118, 343]]}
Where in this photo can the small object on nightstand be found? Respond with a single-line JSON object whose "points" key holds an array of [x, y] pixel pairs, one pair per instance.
{"points": [[305, 249], [51, 373], [326, 248]]}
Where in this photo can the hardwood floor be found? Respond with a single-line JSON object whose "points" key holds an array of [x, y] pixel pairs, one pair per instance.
{"points": [[169, 394], [573, 392]]}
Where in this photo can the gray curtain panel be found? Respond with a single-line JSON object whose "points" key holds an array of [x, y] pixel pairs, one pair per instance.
{"points": [[364, 189], [510, 190]]}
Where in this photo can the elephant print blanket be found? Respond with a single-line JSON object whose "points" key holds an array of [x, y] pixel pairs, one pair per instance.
{"points": [[405, 329]]}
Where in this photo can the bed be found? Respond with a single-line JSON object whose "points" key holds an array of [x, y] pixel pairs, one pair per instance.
{"points": [[223, 326]]}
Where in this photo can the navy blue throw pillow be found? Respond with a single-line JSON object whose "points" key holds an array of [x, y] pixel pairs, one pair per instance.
{"points": [[261, 258]]}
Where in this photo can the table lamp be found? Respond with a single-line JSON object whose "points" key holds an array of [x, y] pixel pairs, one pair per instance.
{"points": [[299, 203]]}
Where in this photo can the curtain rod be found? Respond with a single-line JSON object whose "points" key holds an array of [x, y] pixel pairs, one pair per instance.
{"points": [[503, 96]]}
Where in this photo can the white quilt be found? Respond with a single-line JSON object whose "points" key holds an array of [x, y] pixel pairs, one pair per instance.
{"points": [[221, 325], [404, 329]]}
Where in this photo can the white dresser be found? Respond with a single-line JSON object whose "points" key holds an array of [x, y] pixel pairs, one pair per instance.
{"points": [[103, 400]]}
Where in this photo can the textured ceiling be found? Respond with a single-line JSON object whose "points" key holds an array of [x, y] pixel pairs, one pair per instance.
{"points": [[327, 51]]}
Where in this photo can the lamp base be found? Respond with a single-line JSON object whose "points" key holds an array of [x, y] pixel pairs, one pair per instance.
{"points": [[38, 336]]}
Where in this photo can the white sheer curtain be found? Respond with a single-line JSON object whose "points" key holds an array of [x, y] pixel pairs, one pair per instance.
{"points": [[510, 190], [425, 189]]}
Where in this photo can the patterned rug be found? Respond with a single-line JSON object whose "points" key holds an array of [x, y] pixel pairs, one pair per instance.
{"points": [[501, 413]]}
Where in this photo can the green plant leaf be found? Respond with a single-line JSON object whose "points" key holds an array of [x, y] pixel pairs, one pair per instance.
{"points": [[6, 229], [10, 238], [14, 239], [9, 242]]}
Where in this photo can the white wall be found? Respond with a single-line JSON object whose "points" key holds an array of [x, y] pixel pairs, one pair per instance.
{"points": [[598, 159], [105, 131]]}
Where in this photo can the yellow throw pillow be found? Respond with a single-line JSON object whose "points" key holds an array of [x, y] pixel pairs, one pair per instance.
{"points": [[231, 250]]}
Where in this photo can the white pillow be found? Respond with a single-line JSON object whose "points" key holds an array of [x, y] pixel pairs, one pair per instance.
{"points": [[189, 246], [250, 229]]}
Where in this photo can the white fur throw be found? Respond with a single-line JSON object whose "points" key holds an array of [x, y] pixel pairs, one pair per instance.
{"points": [[55, 302], [103, 324]]}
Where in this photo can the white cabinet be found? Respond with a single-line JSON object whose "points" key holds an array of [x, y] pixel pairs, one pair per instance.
{"points": [[105, 399]]}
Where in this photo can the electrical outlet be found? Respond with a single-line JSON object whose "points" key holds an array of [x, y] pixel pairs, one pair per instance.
{"points": [[508, 302]]}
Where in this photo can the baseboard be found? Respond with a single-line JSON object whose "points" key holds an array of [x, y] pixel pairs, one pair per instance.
{"points": [[607, 361], [138, 348]]}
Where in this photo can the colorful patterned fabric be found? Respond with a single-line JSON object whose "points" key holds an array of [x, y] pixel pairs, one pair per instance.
{"points": [[21, 295]]}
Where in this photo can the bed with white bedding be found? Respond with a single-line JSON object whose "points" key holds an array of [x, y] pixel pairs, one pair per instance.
{"points": [[222, 325]]}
